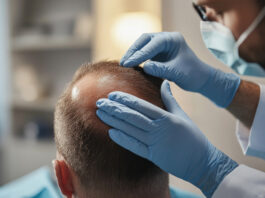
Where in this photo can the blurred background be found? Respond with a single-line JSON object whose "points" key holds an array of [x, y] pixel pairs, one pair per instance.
{"points": [[42, 43]]}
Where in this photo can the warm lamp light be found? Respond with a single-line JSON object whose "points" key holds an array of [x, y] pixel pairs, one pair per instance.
{"points": [[129, 26]]}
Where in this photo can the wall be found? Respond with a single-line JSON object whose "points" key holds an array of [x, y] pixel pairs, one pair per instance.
{"points": [[4, 74], [217, 124], [106, 12], [4, 67]]}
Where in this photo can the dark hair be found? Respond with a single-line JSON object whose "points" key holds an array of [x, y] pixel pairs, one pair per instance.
{"points": [[261, 3], [99, 163]]}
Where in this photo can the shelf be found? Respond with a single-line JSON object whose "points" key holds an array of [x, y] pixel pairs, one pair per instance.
{"points": [[42, 35], [47, 43], [46, 105], [43, 143]]}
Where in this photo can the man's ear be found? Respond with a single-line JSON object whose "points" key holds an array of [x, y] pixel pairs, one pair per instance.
{"points": [[64, 177]]}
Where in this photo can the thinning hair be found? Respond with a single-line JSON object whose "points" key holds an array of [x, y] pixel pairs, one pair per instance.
{"points": [[99, 163]]}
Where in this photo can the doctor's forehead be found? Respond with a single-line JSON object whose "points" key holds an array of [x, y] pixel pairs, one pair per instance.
{"points": [[228, 5], [218, 5]]}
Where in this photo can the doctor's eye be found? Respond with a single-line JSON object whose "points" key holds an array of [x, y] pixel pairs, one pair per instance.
{"points": [[201, 11]]}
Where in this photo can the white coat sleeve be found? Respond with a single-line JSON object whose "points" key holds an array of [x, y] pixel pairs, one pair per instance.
{"points": [[253, 142], [246, 182], [243, 182]]}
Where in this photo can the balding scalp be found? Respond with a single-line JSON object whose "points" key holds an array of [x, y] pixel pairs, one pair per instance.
{"points": [[99, 163]]}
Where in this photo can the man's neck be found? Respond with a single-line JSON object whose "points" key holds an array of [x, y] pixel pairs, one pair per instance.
{"points": [[166, 194]]}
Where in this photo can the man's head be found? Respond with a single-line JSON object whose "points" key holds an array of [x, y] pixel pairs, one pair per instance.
{"points": [[238, 15], [88, 163]]}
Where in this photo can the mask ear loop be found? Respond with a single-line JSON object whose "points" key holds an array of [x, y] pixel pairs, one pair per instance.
{"points": [[251, 28]]}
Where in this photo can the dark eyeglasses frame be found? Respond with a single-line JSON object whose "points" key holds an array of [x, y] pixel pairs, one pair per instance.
{"points": [[201, 11]]}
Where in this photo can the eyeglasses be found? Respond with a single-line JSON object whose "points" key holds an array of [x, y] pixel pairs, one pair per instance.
{"points": [[201, 11]]}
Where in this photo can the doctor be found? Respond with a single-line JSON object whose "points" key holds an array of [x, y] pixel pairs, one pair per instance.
{"points": [[234, 31]]}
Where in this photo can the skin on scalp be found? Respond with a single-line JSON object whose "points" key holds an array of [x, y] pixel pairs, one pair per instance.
{"points": [[92, 87]]}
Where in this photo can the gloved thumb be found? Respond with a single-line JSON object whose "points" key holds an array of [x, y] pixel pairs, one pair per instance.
{"points": [[168, 99], [155, 68]]}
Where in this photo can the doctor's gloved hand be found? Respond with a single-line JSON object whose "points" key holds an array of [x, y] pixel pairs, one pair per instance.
{"points": [[167, 138], [171, 58]]}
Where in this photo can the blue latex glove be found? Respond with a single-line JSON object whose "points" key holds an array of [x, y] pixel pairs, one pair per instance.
{"points": [[168, 139], [172, 59]]}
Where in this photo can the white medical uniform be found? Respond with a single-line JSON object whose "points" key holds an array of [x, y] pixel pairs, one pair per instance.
{"points": [[246, 182]]}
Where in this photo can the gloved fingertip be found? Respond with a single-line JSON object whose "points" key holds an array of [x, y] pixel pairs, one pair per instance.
{"points": [[113, 134], [122, 61], [98, 113], [128, 63], [112, 95], [168, 98], [111, 130], [149, 68], [166, 86], [100, 102], [166, 82], [116, 95], [149, 64]]}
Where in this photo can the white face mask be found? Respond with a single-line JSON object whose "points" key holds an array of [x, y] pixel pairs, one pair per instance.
{"points": [[221, 42]]}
